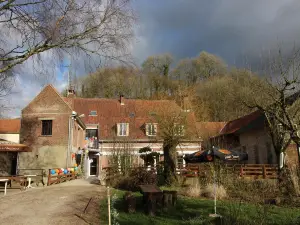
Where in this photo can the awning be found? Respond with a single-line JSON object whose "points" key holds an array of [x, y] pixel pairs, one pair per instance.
{"points": [[13, 147]]}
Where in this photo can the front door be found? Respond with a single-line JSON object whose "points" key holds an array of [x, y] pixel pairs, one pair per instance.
{"points": [[14, 162], [93, 164]]}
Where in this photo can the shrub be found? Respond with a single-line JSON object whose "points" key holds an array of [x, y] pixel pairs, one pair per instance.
{"points": [[192, 191], [136, 177], [209, 191]]}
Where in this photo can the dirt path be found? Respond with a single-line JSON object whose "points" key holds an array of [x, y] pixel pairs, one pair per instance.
{"points": [[53, 205]]}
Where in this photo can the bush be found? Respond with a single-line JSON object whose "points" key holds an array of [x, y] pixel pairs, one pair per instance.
{"points": [[136, 177], [192, 191], [220, 191]]}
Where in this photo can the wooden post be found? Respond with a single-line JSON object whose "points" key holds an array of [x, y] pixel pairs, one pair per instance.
{"points": [[49, 178], [108, 206], [264, 171]]}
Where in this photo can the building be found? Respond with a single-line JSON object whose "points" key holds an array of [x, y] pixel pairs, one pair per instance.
{"points": [[54, 127], [9, 146], [124, 126], [52, 130], [10, 130], [250, 134]]}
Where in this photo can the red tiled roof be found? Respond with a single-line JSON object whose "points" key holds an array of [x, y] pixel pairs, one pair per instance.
{"points": [[110, 112], [235, 125], [10, 126], [209, 129]]}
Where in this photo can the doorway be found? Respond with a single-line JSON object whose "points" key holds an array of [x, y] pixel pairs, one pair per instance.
{"points": [[93, 158], [14, 163]]}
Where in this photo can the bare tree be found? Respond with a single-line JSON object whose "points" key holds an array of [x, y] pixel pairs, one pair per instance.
{"points": [[209, 65], [175, 126], [281, 103], [30, 27]]}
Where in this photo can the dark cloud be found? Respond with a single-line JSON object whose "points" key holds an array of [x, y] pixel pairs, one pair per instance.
{"points": [[240, 31], [237, 30]]}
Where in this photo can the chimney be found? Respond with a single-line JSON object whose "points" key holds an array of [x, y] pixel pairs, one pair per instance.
{"points": [[70, 92], [122, 100]]}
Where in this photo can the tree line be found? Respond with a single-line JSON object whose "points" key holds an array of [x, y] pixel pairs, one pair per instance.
{"points": [[217, 92]]}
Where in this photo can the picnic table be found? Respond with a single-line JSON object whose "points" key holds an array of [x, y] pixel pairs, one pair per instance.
{"points": [[149, 190], [151, 196], [19, 179], [5, 185]]}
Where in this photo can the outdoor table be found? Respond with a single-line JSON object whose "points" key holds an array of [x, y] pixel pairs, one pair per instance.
{"points": [[149, 190], [151, 196], [4, 180], [29, 180]]}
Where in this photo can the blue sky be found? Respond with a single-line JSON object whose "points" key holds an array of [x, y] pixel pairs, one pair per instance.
{"points": [[240, 31]]}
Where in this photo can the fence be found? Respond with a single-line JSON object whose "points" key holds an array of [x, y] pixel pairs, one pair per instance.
{"points": [[59, 178], [259, 171], [252, 171]]}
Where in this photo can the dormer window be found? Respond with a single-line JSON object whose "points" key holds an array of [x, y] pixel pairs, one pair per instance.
{"points": [[151, 129], [93, 113], [123, 129], [179, 129]]}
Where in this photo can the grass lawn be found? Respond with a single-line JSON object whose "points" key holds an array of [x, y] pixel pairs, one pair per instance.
{"points": [[196, 211]]}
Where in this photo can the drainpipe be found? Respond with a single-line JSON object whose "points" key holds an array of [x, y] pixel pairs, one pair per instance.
{"points": [[71, 118]]}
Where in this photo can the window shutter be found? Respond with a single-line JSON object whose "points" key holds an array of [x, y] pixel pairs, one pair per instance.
{"points": [[147, 129], [127, 129], [155, 128], [118, 129]]}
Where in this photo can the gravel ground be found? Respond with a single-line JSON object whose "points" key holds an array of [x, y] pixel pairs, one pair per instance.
{"points": [[53, 205]]}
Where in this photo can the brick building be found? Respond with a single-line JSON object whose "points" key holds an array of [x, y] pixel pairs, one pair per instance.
{"points": [[249, 134], [103, 126], [120, 125], [52, 130]]}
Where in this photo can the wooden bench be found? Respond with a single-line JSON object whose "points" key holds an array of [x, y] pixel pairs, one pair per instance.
{"points": [[36, 175]]}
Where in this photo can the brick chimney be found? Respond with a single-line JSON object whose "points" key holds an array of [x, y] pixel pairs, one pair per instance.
{"points": [[122, 100], [71, 92]]}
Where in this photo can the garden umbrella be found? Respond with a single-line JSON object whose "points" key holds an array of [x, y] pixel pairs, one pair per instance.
{"points": [[216, 152]]}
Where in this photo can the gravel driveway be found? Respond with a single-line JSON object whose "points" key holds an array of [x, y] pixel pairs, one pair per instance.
{"points": [[53, 205]]}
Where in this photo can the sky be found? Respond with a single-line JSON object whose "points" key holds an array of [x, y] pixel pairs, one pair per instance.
{"points": [[239, 31]]}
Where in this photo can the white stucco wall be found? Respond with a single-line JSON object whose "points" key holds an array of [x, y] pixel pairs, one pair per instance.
{"points": [[11, 137]]}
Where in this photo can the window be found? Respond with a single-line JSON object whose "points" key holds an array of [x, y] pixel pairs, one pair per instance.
{"points": [[46, 127], [91, 133], [151, 129], [123, 129], [93, 113], [179, 130]]}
